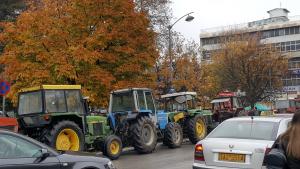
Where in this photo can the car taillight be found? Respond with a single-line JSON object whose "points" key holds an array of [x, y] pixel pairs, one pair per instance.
{"points": [[199, 152], [266, 153]]}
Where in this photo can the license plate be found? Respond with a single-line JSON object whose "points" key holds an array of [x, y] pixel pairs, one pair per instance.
{"points": [[240, 158]]}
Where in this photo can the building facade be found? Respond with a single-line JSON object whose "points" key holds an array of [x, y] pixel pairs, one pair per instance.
{"points": [[279, 30]]}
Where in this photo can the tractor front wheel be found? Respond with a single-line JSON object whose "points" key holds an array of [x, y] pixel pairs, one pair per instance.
{"points": [[112, 147], [197, 129], [66, 136], [173, 135], [144, 136]]}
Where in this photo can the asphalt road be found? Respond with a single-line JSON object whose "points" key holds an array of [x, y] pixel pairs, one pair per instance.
{"points": [[162, 158]]}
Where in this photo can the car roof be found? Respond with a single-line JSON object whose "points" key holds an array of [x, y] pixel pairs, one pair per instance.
{"points": [[261, 118]]}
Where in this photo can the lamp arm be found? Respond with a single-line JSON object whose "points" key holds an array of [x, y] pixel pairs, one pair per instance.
{"points": [[170, 26]]}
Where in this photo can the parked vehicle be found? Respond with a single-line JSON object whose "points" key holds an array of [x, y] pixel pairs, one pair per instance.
{"points": [[227, 105], [21, 152], [134, 118], [287, 106], [131, 117], [57, 115], [181, 108], [9, 123], [240, 142]]}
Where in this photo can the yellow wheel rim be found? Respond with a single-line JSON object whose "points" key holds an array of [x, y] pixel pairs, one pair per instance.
{"points": [[67, 139], [200, 128], [114, 147]]}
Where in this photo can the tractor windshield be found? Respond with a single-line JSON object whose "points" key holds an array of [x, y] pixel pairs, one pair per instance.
{"points": [[179, 103], [122, 102], [30, 103]]}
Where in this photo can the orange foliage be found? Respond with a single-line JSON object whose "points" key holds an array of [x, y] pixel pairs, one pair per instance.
{"points": [[99, 44]]}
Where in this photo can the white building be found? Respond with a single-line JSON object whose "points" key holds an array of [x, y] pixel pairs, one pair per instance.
{"points": [[279, 29]]}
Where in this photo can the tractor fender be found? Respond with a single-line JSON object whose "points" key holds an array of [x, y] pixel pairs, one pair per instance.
{"points": [[142, 113], [145, 112], [111, 120], [162, 119]]}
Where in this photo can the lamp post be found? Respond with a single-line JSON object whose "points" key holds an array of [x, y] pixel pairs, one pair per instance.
{"points": [[188, 19]]}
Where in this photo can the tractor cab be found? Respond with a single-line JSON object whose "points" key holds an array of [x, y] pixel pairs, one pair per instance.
{"points": [[226, 105], [132, 102], [181, 101], [37, 106]]}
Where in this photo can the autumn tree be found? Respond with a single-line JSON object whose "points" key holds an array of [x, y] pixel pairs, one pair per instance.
{"points": [[189, 74], [10, 9], [99, 44], [244, 62]]}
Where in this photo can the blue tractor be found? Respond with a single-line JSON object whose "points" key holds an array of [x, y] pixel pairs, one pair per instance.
{"points": [[133, 118]]}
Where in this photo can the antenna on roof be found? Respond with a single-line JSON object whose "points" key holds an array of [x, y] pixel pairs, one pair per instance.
{"points": [[280, 4]]}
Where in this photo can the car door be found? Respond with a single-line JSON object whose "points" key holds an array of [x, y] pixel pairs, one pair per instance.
{"points": [[19, 153]]}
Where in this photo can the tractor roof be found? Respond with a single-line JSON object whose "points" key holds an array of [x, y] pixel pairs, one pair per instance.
{"points": [[130, 89], [52, 87], [179, 94]]}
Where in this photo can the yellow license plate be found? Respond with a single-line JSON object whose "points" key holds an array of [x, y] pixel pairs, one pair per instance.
{"points": [[232, 157]]}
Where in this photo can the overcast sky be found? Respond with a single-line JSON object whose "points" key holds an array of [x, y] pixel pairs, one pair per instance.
{"points": [[214, 13]]}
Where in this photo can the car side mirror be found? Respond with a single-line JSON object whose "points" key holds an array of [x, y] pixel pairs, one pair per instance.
{"points": [[43, 155]]}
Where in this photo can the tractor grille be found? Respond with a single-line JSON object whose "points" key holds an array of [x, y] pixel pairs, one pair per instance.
{"points": [[97, 128]]}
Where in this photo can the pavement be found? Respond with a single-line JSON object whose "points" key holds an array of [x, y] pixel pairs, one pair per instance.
{"points": [[161, 158]]}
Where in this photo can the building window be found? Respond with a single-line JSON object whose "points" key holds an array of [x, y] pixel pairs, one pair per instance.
{"points": [[293, 45], [276, 32], [297, 30], [287, 31], [292, 30], [281, 32]]}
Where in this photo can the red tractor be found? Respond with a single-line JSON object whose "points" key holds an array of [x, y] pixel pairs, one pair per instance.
{"points": [[227, 105]]}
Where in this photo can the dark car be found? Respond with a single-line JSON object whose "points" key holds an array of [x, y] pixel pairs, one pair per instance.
{"points": [[21, 152]]}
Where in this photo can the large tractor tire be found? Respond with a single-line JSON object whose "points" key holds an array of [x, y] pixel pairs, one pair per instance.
{"points": [[143, 134], [112, 147], [173, 135], [66, 136], [197, 129]]}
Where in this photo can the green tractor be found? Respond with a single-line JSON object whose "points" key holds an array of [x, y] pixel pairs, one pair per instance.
{"points": [[57, 115], [181, 108]]}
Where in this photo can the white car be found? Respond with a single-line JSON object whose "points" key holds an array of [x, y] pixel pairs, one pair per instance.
{"points": [[239, 143]]}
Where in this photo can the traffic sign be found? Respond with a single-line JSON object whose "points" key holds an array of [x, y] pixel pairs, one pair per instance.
{"points": [[4, 87]]}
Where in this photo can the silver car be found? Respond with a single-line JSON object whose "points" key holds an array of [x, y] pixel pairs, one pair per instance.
{"points": [[239, 143]]}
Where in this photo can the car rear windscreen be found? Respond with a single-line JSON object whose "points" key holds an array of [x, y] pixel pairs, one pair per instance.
{"points": [[257, 130]]}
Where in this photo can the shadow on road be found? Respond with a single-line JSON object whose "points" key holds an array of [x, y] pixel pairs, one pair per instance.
{"points": [[161, 158]]}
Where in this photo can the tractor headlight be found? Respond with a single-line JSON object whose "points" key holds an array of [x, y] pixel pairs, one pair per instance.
{"points": [[110, 165]]}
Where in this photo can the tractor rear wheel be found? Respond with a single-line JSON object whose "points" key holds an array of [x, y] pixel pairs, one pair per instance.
{"points": [[197, 129], [143, 134], [65, 135], [112, 147], [173, 135]]}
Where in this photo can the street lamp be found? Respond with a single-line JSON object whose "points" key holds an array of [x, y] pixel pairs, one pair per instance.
{"points": [[187, 19]]}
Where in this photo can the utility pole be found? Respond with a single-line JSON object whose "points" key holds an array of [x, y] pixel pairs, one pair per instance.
{"points": [[3, 105], [188, 19]]}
